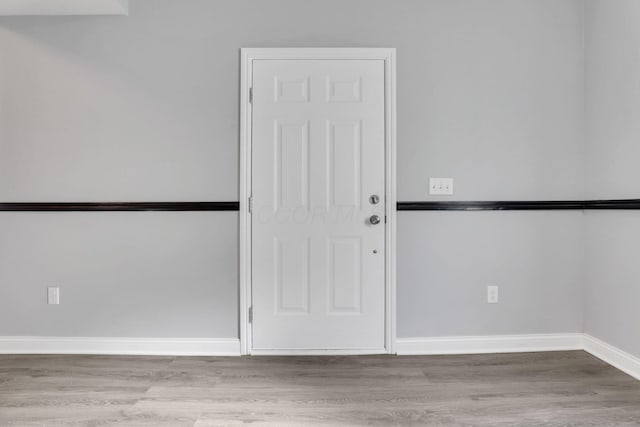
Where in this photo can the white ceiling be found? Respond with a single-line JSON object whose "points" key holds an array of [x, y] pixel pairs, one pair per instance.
{"points": [[64, 7]]}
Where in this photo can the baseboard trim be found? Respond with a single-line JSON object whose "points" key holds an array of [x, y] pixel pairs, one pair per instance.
{"points": [[489, 344], [121, 346], [615, 357]]}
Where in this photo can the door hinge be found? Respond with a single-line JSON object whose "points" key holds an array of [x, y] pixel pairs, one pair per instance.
{"points": [[251, 314], [250, 95], [250, 204]]}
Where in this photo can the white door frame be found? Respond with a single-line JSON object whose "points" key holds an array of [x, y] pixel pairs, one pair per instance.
{"points": [[248, 55]]}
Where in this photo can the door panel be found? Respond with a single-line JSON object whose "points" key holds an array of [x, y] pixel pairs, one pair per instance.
{"points": [[345, 164], [344, 278], [291, 165], [291, 278], [318, 263]]}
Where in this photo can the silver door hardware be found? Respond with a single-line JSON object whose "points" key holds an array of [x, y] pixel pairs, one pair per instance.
{"points": [[374, 219], [251, 314], [375, 199]]}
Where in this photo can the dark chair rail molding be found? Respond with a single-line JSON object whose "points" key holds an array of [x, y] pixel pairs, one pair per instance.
{"points": [[533, 205], [491, 206], [612, 204], [513, 205], [120, 207]]}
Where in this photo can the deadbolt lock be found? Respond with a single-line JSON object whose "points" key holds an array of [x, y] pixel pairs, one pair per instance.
{"points": [[375, 199]]}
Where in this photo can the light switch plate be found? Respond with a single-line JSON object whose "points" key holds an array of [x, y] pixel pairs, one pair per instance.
{"points": [[441, 186]]}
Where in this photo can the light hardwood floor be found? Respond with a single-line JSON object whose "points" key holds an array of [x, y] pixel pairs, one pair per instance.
{"points": [[536, 389]]}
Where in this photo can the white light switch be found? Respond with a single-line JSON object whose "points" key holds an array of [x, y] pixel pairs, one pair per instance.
{"points": [[53, 296], [441, 186]]}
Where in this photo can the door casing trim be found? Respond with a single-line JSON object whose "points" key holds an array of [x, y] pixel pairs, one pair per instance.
{"points": [[248, 55]]}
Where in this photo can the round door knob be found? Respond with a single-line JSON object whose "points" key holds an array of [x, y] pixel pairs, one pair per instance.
{"points": [[374, 219]]}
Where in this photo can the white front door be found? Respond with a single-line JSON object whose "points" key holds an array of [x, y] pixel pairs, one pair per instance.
{"points": [[318, 211]]}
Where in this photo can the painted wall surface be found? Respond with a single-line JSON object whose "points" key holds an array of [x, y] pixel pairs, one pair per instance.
{"points": [[613, 293], [447, 260], [141, 274], [613, 149], [145, 108]]}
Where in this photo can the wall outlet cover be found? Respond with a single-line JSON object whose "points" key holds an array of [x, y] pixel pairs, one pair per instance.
{"points": [[493, 295], [53, 296]]}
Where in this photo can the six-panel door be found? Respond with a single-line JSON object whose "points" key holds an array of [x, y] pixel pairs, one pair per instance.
{"points": [[318, 161]]}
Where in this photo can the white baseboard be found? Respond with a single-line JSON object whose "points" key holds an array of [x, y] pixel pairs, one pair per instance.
{"points": [[489, 344], [121, 346], [231, 346], [613, 356]]}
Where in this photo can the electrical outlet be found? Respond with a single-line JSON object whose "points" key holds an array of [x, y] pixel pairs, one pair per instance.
{"points": [[53, 296], [441, 186], [493, 296]]}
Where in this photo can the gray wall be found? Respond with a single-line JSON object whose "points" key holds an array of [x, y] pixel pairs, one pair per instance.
{"points": [[121, 274], [447, 259], [145, 108], [613, 150]]}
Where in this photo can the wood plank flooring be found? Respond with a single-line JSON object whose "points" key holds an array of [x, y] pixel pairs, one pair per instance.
{"points": [[533, 389]]}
